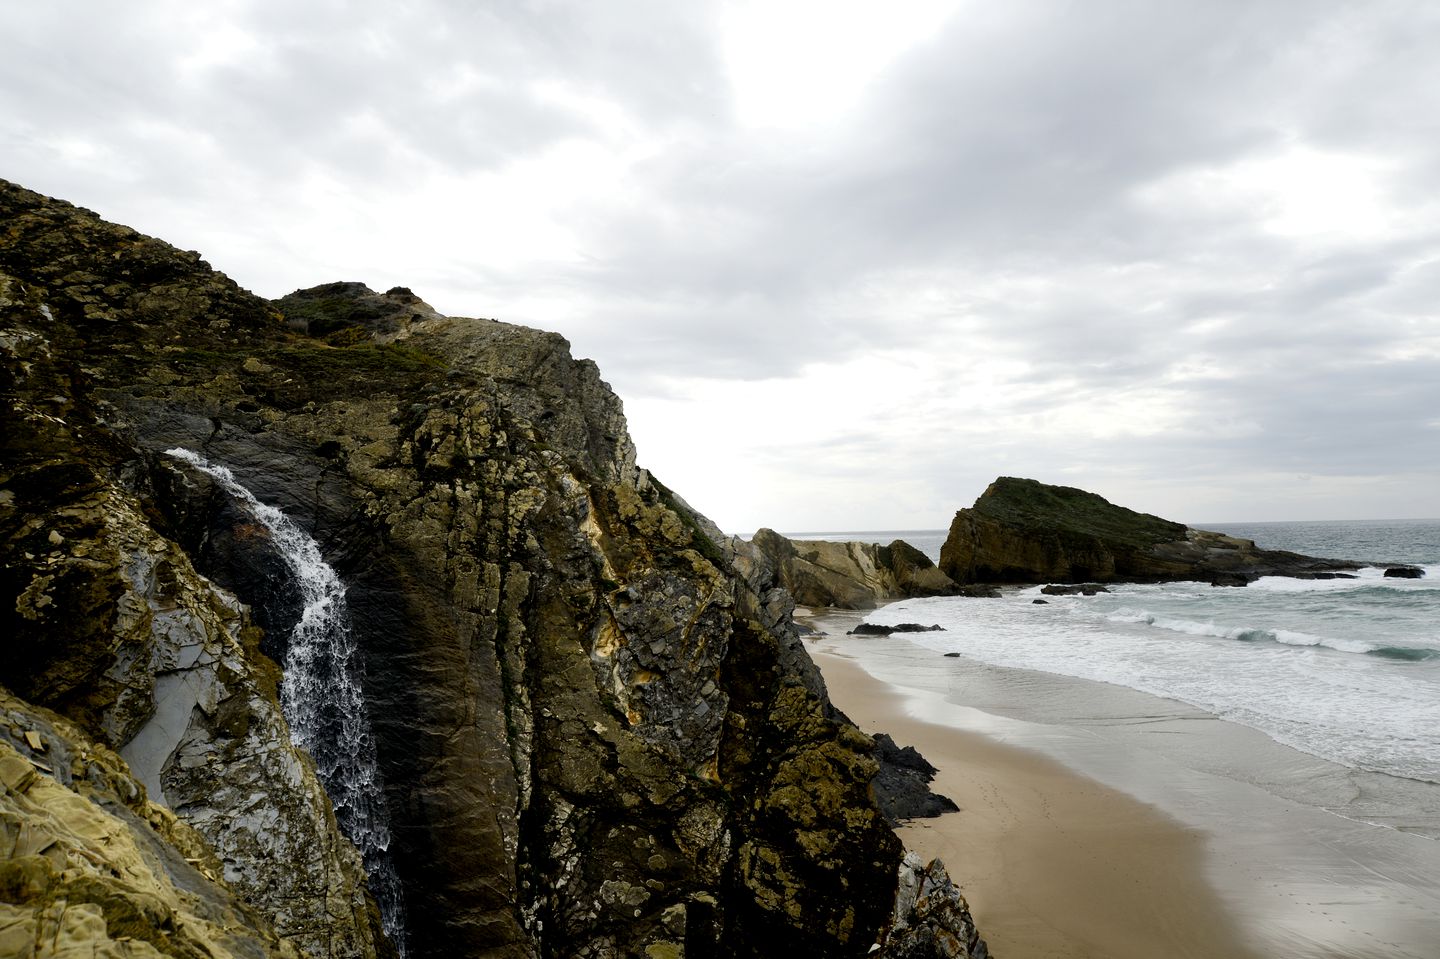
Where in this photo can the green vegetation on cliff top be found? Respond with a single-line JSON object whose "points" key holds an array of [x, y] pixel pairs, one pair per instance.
{"points": [[1030, 504]]}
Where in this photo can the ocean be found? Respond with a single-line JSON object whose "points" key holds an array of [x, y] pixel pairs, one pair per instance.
{"points": [[1345, 670]]}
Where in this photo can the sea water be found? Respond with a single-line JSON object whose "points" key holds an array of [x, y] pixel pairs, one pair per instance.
{"points": [[1346, 670]]}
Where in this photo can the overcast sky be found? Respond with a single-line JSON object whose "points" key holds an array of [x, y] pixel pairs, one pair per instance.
{"points": [[844, 262]]}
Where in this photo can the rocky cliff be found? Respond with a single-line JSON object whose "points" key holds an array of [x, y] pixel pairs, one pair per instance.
{"points": [[592, 736], [847, 575], [1024, 531]]}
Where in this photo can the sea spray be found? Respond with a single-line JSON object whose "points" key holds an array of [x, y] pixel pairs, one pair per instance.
{"points": [[323, 700]]}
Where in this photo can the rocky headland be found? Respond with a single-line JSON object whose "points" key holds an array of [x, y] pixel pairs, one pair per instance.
{"points": [[1024, 531], [594, 728], [843, 575]]}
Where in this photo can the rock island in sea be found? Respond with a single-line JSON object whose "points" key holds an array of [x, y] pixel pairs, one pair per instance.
{"points": [[593, 736], [1151, 765]]}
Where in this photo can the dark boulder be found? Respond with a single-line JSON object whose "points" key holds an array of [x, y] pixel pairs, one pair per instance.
{"points": [[349, 312], [1229, 579], [1075, 589], [902, 789], [875, 629], [1404, 572]]}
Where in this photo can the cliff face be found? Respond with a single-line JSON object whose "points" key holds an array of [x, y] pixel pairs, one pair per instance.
{"points": [[847, 575], [1023, 531], [88, 866], [595, 737]]}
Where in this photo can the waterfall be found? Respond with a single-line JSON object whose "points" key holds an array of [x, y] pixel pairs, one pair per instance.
{"points": [[323, 701]]}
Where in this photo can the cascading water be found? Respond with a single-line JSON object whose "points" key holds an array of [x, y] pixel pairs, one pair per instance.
{"points": [[322, 698]]}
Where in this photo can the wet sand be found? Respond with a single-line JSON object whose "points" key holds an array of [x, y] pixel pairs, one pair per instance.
{"points": [[1080, 835]]}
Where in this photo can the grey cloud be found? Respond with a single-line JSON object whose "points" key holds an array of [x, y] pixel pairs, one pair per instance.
{"points": [[1024, 142]]}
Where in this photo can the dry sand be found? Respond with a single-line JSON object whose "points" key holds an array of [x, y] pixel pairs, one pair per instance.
{"points": [[1054, 865]]}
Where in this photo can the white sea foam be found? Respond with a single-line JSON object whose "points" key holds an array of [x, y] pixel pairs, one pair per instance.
{"points": [[1348, 670], [1248, 634]]}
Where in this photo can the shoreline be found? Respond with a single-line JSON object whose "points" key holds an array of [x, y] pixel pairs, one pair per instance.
{"points": [[1080, 835]]}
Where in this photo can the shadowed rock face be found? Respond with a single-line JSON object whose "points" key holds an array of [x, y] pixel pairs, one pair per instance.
{"points": [[1023, 531], [597, 738]]}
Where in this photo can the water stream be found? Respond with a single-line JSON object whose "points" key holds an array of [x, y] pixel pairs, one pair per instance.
{"points": [[323, 700]]}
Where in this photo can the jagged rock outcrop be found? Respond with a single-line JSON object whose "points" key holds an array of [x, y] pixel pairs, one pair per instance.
{"points": [[348, 313], [596, 737], [1024, 531], [931, 918], [848, 575]]}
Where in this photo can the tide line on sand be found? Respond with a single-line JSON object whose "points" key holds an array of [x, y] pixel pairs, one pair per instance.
{"points": [[1058, 864]]}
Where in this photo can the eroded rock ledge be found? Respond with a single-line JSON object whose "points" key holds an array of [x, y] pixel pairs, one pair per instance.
{"points": [[1024, 531]]}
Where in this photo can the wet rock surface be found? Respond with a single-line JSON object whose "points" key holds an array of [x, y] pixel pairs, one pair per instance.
{"points": [[876, 629], [598, 736], [1073, 589]]}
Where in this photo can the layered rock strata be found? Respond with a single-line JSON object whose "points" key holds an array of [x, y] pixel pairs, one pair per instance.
{"points": [[1024, 531], [597, 737], [845, 575], [89, 866]]}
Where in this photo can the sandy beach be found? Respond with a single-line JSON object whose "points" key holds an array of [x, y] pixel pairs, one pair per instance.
{"points": [[1099, 822]]}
